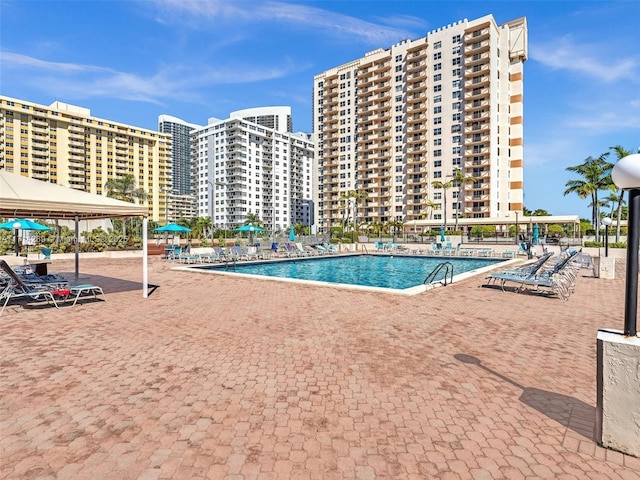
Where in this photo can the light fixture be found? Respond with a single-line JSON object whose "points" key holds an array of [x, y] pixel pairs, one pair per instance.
{"points": [[626, 175]]}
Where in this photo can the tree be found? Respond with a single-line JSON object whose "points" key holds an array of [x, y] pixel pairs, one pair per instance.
{"points": [[459, 179], [395, 225], [596, 176], [124, 189], [253, 219], [620, 153], [538, 213], [444, 186], [356, 196]]}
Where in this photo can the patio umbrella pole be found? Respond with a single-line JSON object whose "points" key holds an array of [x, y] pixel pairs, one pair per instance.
{"points": [[77, 241], [17, 243]]}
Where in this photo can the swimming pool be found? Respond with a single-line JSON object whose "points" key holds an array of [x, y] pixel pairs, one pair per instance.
{"points": [[393, 273]]}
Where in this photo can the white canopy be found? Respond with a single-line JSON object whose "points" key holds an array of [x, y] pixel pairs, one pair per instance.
{"points": [[27, 197]]}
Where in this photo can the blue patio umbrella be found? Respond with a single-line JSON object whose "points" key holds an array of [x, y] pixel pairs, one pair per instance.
{"points": [[442, 238], [173, 227], [292, 234], [536, 234], [250, 228], [22, 224]]}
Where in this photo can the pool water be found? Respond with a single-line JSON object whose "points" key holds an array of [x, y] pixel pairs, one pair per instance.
{"points": [[384, 271]]}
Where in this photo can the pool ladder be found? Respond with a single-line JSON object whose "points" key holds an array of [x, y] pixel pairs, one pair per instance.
{"points": [[448, 270]]}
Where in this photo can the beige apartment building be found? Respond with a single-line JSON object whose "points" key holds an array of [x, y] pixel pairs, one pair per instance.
{"points": [[399, 119], [64, 144]]}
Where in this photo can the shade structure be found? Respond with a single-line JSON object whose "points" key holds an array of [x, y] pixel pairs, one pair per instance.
{"points": [[172, 227], [292, 234], [24, 224], [21, 196]]}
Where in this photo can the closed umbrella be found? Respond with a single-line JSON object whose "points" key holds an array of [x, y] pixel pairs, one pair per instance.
{"points": [[22, 224], [536, 234], [442, 238], [292, 234]]}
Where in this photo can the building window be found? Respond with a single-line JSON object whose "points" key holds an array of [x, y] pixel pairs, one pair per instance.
{"points": [[437, 56], [437, 45], [437, 66], [437, 77], [437, 109], [437, 174]]}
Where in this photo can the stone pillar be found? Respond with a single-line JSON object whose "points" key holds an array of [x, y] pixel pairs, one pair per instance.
{"points": [[618, 385]]}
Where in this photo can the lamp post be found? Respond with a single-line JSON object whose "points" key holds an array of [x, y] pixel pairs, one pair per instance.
{"points": [[626, 175], [516, 235], [606, 221]]}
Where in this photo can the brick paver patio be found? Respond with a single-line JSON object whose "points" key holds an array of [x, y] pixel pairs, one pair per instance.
{"points": [[233, 378]]}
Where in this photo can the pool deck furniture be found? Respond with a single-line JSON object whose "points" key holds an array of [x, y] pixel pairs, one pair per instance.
{"points": [[78, 291]]}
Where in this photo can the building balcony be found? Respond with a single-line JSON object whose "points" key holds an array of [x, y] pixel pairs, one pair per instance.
{"points": [[477, 46], [477, 35]]}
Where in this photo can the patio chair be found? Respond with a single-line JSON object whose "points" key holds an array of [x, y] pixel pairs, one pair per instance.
{"points": [[321, 249], [524, 271], [560, 278], [78, 291], [15, 288], [237, 253], [46, 253], [301, 250]]}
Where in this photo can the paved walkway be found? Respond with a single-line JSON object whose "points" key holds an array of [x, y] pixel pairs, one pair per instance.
{"points": [[230, 378]]}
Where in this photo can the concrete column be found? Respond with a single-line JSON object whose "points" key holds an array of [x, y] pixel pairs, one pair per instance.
{"points": [[618, 384]]}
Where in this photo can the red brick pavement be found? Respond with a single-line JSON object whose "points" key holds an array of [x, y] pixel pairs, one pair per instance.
{"points": [[233, 378]]}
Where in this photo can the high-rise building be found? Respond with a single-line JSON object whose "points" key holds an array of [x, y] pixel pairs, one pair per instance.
{"points": [[244, 168], [396, 121], [181, 162], [64, 144], [276, 118]]}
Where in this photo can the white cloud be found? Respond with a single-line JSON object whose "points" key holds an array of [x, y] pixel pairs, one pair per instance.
{"points": [[297, 15], [591, 60], [171, 82]]}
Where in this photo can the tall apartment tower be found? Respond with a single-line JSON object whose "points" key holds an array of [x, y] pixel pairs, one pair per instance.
{"points": [[397, 120], [244, 168], [64, 144], [276, 118], [181, 161]]}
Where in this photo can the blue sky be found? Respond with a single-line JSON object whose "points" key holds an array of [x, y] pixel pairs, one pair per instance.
{"points": [[130, 61]]}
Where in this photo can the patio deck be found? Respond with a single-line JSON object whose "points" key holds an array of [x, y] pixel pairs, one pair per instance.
{"points": [[233, 378]]}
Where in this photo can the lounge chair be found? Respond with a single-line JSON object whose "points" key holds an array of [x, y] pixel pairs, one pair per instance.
{"points": [[332, 248], [524, 271], [15, 287], [238, 253], [78, 291], [560, 278], [301, 250], [379, 246], [322, 249], [46, 253]]}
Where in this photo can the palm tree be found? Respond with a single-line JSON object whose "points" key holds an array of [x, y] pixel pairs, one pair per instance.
{"points": [[253, 219], [444, 186], [396, 225], [596, 176], [620, 153], [429, 204], [356, 195], [459, 178], [124, 189]]}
